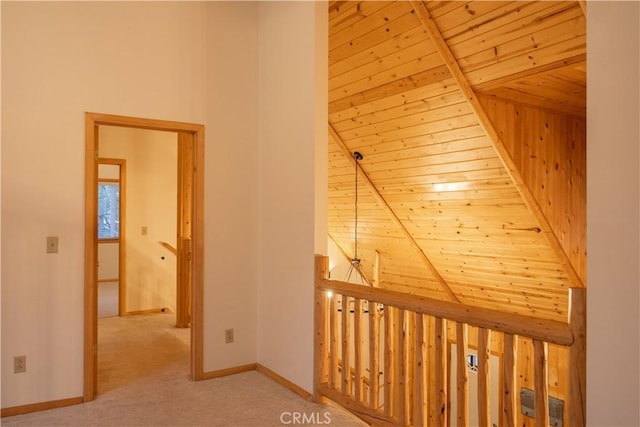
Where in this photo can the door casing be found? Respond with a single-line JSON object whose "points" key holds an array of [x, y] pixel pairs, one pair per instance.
{"points": [[190, 251]]}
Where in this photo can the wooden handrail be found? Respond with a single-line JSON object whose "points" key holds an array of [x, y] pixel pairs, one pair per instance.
{"points": [[551, 331], [412, 354], [169, 247]]}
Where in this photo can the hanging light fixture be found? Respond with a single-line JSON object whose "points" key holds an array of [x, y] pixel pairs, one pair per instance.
{"points": [[355, 261]]}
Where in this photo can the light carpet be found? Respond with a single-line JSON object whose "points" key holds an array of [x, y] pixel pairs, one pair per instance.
{"points": [[143, 380]]}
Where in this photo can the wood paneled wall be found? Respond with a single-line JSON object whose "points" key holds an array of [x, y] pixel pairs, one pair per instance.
{"points": [[549, 149]]}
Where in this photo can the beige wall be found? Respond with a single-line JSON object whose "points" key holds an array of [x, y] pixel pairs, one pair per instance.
{"points": [[193, 62], [291, 70], [613, 204], [151, 202], [108, 261]]}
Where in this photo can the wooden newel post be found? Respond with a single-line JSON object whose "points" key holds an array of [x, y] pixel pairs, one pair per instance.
{"points": [[321, 352], [578, 357]]}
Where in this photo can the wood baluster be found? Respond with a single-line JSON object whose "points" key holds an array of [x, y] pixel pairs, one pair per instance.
{"points": [[462, 380], [419, 375], [388, 361], [540, 383], [509, 381], [333, 341], [357, 348], [321, 351], [440, 371], [410, 364], [401, 391], [484, 383], [577, 357], [345, 377], [374, 352]]}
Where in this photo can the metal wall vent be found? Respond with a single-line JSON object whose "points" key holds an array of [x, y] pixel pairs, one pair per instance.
{"points": [[556, 407]]}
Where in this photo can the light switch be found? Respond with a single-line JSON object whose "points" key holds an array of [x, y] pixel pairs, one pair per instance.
{"points": [[52, 244], [145, 230]]}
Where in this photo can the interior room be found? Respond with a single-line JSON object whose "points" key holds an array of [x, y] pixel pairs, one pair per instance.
{"points": [[397, 213]]}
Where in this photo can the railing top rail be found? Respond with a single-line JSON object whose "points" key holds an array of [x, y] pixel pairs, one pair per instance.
{"points": [[550, 331]]}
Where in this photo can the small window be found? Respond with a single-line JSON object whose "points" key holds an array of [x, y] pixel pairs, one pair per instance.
{"points": [[108, 210]]}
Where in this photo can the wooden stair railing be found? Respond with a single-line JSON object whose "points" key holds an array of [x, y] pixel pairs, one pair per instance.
{"points": [[169, 247], [413, 388]]}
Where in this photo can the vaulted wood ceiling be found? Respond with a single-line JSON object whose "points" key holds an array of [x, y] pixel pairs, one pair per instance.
{"points": [[471, 120]]}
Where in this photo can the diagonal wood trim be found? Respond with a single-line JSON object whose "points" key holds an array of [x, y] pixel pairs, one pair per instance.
{"points": [[370, 416], [503, 153], [443, 284], [583, 6]]}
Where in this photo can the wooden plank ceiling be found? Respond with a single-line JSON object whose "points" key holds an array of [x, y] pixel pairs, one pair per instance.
{"points": [[435, 95]]}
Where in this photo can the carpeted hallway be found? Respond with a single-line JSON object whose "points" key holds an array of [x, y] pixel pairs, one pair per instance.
{"points": [[143, 381]]}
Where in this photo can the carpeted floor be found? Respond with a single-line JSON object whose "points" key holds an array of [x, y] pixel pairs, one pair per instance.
{"points": [[143, 381]]}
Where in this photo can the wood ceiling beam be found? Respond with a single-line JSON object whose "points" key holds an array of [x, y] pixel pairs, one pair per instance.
{"points": [[502, 81], [416, 81], [349, 156], [443, 48]]}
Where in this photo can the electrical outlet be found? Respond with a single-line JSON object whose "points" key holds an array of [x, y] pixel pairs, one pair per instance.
{"points": [[19, 364], [228, 336]]}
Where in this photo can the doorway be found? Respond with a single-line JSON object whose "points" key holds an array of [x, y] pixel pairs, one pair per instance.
{"points": [[190, 234], [112, 204]]}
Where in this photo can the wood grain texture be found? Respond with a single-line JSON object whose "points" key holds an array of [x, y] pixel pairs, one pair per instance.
{"points": [[345, 335], [541, 329], [334, 377], [441, 373], [381, 202], [483, 167], [484, 377], [358, 349], [504, 155], [321, 329], [577, 357], [549, 149], [462, 380], [374, 356], [509, 392], [541, 384]]}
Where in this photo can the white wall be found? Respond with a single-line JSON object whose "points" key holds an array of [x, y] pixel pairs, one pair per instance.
{"points": [[194, 62], [108, 261], [151, 202], [231, 174], [613, 203], [291, 59]]}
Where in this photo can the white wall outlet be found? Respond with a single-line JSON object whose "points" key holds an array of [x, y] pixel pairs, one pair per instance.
{"points": [[145, 230], [19, 364], [52, 244], [228, 336]]}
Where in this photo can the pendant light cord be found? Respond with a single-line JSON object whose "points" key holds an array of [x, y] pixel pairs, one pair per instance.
{"points": [[357, 156]]}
